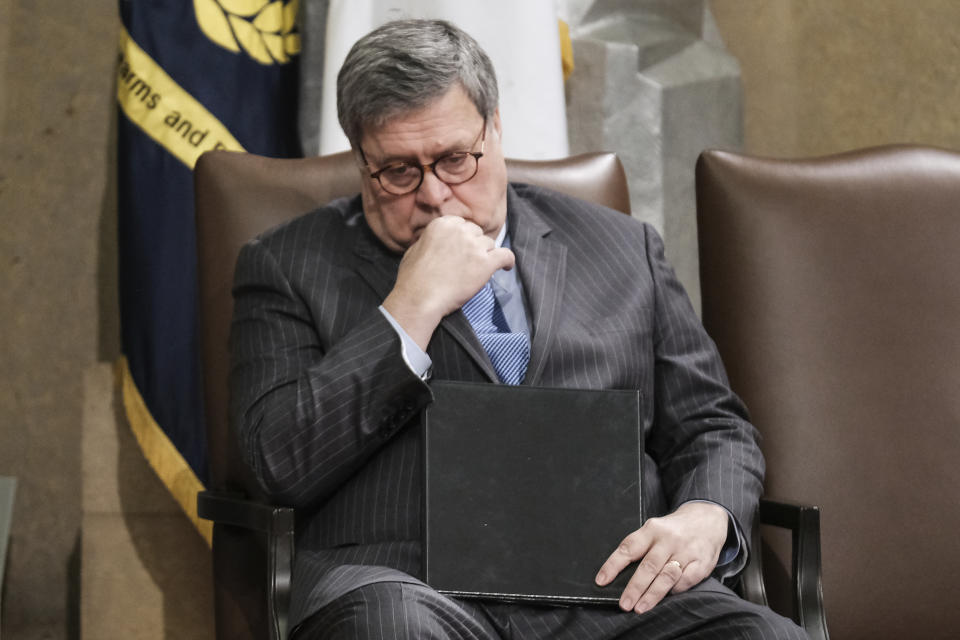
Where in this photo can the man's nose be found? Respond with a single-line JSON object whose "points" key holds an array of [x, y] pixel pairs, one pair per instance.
{"points": [[433, 191]]}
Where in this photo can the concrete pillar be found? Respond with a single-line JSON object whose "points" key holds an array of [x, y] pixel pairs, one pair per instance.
{"points": [[653, 83]]}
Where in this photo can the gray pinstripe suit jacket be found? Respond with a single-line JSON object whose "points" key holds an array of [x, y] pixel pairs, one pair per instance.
{"points": [[325, 405]]}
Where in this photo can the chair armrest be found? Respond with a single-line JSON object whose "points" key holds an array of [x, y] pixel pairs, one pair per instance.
{"points": [[277, 525], [803, 521], [235, 510]]}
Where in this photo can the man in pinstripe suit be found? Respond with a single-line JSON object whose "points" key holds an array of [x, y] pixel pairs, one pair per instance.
{"points": [[343, 315]]}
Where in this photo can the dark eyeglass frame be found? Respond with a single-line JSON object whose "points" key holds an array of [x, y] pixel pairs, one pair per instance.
{"points": [[375, 175]]}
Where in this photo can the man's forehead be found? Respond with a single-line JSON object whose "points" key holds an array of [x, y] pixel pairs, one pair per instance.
{"points": [[450, 122]]}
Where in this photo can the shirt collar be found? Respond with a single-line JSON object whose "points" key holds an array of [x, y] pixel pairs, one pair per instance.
{"points": [[502, 236]]}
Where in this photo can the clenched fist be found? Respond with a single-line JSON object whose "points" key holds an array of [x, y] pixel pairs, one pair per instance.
{"points": [[443, 269]]}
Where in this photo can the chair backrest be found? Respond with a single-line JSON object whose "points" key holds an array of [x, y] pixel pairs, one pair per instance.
{"points": [[832, 288], [240, 195]]}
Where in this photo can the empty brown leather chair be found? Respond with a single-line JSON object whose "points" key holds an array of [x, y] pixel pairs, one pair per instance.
{"points": [[832, 287]]}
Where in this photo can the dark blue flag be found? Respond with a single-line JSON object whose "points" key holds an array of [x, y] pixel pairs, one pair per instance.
{"points": [[191, 76]]}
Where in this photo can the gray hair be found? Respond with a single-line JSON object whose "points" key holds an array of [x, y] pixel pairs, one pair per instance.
{"points": [[403, 66]]}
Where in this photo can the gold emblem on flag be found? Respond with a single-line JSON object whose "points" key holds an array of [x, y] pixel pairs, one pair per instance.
{"points": [[266, 30]]}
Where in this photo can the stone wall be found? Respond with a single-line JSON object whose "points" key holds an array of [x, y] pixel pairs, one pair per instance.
{"points": [[821, 76], [58, 312], [97, 548]]}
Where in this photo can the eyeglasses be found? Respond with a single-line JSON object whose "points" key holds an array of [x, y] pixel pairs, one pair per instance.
{"points": [[401, 178]]}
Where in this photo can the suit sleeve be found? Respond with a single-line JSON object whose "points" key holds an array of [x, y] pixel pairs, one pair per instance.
{"points": [[703, 441], [309, 410]]}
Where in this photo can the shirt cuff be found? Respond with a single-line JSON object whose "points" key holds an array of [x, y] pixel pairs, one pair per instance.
{"points": [[732, 558], [415, 357]]}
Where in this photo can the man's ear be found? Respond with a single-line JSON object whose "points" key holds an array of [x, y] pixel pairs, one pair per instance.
{"points": [[496, 123]]}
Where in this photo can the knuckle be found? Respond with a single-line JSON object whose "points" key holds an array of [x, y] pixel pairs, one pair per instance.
{"points": [[647, 566], [657, 528], [672, 570], [662, 585], [632, 545]]}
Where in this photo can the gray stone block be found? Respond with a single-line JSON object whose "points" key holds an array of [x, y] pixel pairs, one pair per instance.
{"points": [[652, 83]]}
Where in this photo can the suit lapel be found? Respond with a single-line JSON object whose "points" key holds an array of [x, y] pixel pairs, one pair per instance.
{"points": [[457, 325], [541, 261]]}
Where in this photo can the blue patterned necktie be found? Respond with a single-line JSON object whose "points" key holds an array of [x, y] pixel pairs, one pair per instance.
{"points": [[509, 351]]}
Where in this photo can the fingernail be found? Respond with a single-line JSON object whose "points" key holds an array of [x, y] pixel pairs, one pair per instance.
{"points": [[624, 604], [601, 578], [641, 608]]}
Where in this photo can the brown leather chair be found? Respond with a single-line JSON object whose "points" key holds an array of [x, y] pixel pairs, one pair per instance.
{"points": [[239, 196], [832, 287]]}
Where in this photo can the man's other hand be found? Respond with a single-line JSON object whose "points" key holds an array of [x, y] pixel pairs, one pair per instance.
{"points": [[443, 269], [675, 552]]}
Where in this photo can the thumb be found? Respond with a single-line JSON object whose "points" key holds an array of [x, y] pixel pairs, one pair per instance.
{"points": [[502, 258]]}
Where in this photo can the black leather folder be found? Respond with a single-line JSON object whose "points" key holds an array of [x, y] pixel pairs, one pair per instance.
{"points": [[528, 490]]}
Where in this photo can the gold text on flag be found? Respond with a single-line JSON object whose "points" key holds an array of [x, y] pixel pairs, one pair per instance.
{"points": [[163, 109]]}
